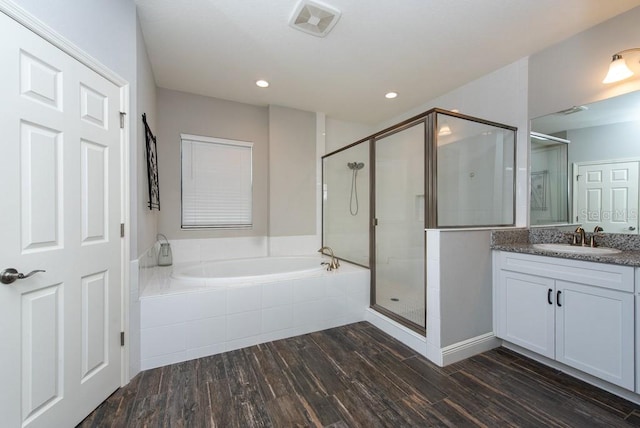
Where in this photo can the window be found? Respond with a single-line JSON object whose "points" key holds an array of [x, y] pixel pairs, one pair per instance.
{"points": [[216, 182]]}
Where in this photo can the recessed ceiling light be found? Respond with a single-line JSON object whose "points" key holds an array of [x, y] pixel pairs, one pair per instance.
{"points": [[391, 95], [262, 83]]}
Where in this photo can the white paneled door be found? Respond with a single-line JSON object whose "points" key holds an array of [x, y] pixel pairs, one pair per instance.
{"points": [[60, 181], [607, 195]]}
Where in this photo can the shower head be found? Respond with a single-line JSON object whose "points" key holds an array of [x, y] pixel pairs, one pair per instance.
{"points": [[355, 165]]}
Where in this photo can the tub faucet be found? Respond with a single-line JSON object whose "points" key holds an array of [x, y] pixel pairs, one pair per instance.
{"points": [[334, 264]]}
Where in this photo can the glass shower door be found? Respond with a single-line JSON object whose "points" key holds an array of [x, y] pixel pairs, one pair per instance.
{"points": [[399, 231]]}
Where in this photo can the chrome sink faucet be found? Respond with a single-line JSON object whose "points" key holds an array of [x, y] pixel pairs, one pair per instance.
{"points": [[334, 264], [596, 232], [583, 240]]}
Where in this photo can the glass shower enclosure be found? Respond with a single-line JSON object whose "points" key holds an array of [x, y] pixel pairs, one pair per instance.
{"points": [[439, 169], [399, 247]]}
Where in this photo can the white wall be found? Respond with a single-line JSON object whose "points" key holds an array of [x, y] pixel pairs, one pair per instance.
{"points": [[465, 286], [180, 112], [571, 72], [340, 133], [292, 172], [106, 29], [143, 220], [147, 220], [608, 142]]}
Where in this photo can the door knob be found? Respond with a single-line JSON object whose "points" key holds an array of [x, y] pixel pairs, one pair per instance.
{"points": [[9, 275], [632, 228]]}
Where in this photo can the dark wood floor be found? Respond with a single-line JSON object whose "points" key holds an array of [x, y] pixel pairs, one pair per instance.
{"points": [[357, 376]]}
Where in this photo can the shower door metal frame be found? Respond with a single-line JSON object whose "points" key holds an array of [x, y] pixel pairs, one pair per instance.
{"points": [[421, 119], [341, 149], [430, 119]]}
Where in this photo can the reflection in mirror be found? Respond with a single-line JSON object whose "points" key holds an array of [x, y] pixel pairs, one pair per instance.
{"points": [[600, 170], [549, 187]]}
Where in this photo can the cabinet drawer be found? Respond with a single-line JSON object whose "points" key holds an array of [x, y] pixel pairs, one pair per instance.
{"points": [[603, 275]]}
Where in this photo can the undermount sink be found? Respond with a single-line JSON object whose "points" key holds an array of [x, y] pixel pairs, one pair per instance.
{"points": [[576, 249]]}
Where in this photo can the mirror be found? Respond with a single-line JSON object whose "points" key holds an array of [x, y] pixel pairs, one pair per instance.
{"points": [[585, 165]]}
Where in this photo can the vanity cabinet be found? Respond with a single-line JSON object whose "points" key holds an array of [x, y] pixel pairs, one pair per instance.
{"points": [[578, 313]]}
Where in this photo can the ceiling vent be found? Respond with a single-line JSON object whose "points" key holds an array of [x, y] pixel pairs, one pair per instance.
{"points": [[572, 110], [314, 18]]}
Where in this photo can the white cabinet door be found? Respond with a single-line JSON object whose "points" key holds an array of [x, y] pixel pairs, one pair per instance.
{"points": [[595, 331], [526, 311]]}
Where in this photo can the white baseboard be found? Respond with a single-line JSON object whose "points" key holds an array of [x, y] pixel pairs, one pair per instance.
{"points": [[401, 333], [468, 348], [439, 356]]}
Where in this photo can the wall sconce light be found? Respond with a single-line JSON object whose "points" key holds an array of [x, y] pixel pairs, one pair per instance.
{"points": [[619, 70]]}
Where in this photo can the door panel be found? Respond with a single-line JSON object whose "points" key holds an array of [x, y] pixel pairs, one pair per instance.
{"points": [[41, 168], [42, 345], [95, 180], [95, 324], [60, 329]]}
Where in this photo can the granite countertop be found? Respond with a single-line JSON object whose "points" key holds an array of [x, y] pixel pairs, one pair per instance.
{"points": [[523, 240]]}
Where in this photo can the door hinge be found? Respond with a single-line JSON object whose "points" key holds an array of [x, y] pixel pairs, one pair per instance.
{"points": [[122, 115], [374, 222], [122, 338], [122, 230]]}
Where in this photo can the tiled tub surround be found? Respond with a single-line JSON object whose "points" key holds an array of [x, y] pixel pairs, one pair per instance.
{"points": [[187, 319], [522, 240]]}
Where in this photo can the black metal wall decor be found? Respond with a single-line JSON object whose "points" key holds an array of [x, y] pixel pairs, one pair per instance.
{"points": [[152, 166]]}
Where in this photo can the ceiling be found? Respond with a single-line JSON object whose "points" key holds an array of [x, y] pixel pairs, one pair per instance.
{"points": [[418, 48]]}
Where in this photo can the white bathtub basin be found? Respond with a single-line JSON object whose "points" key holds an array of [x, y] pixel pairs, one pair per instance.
{"points": [[249, 270], [575, 249]]}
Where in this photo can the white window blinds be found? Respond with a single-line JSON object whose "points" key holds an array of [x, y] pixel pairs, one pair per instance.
{"points": [[216, 182]]}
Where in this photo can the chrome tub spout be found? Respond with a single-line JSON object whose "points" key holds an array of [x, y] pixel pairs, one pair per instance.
{"points": [[334, 264]]}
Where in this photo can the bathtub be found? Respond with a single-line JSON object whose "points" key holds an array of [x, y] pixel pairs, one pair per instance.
{"points": [[194, 310], [261, 269]]}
